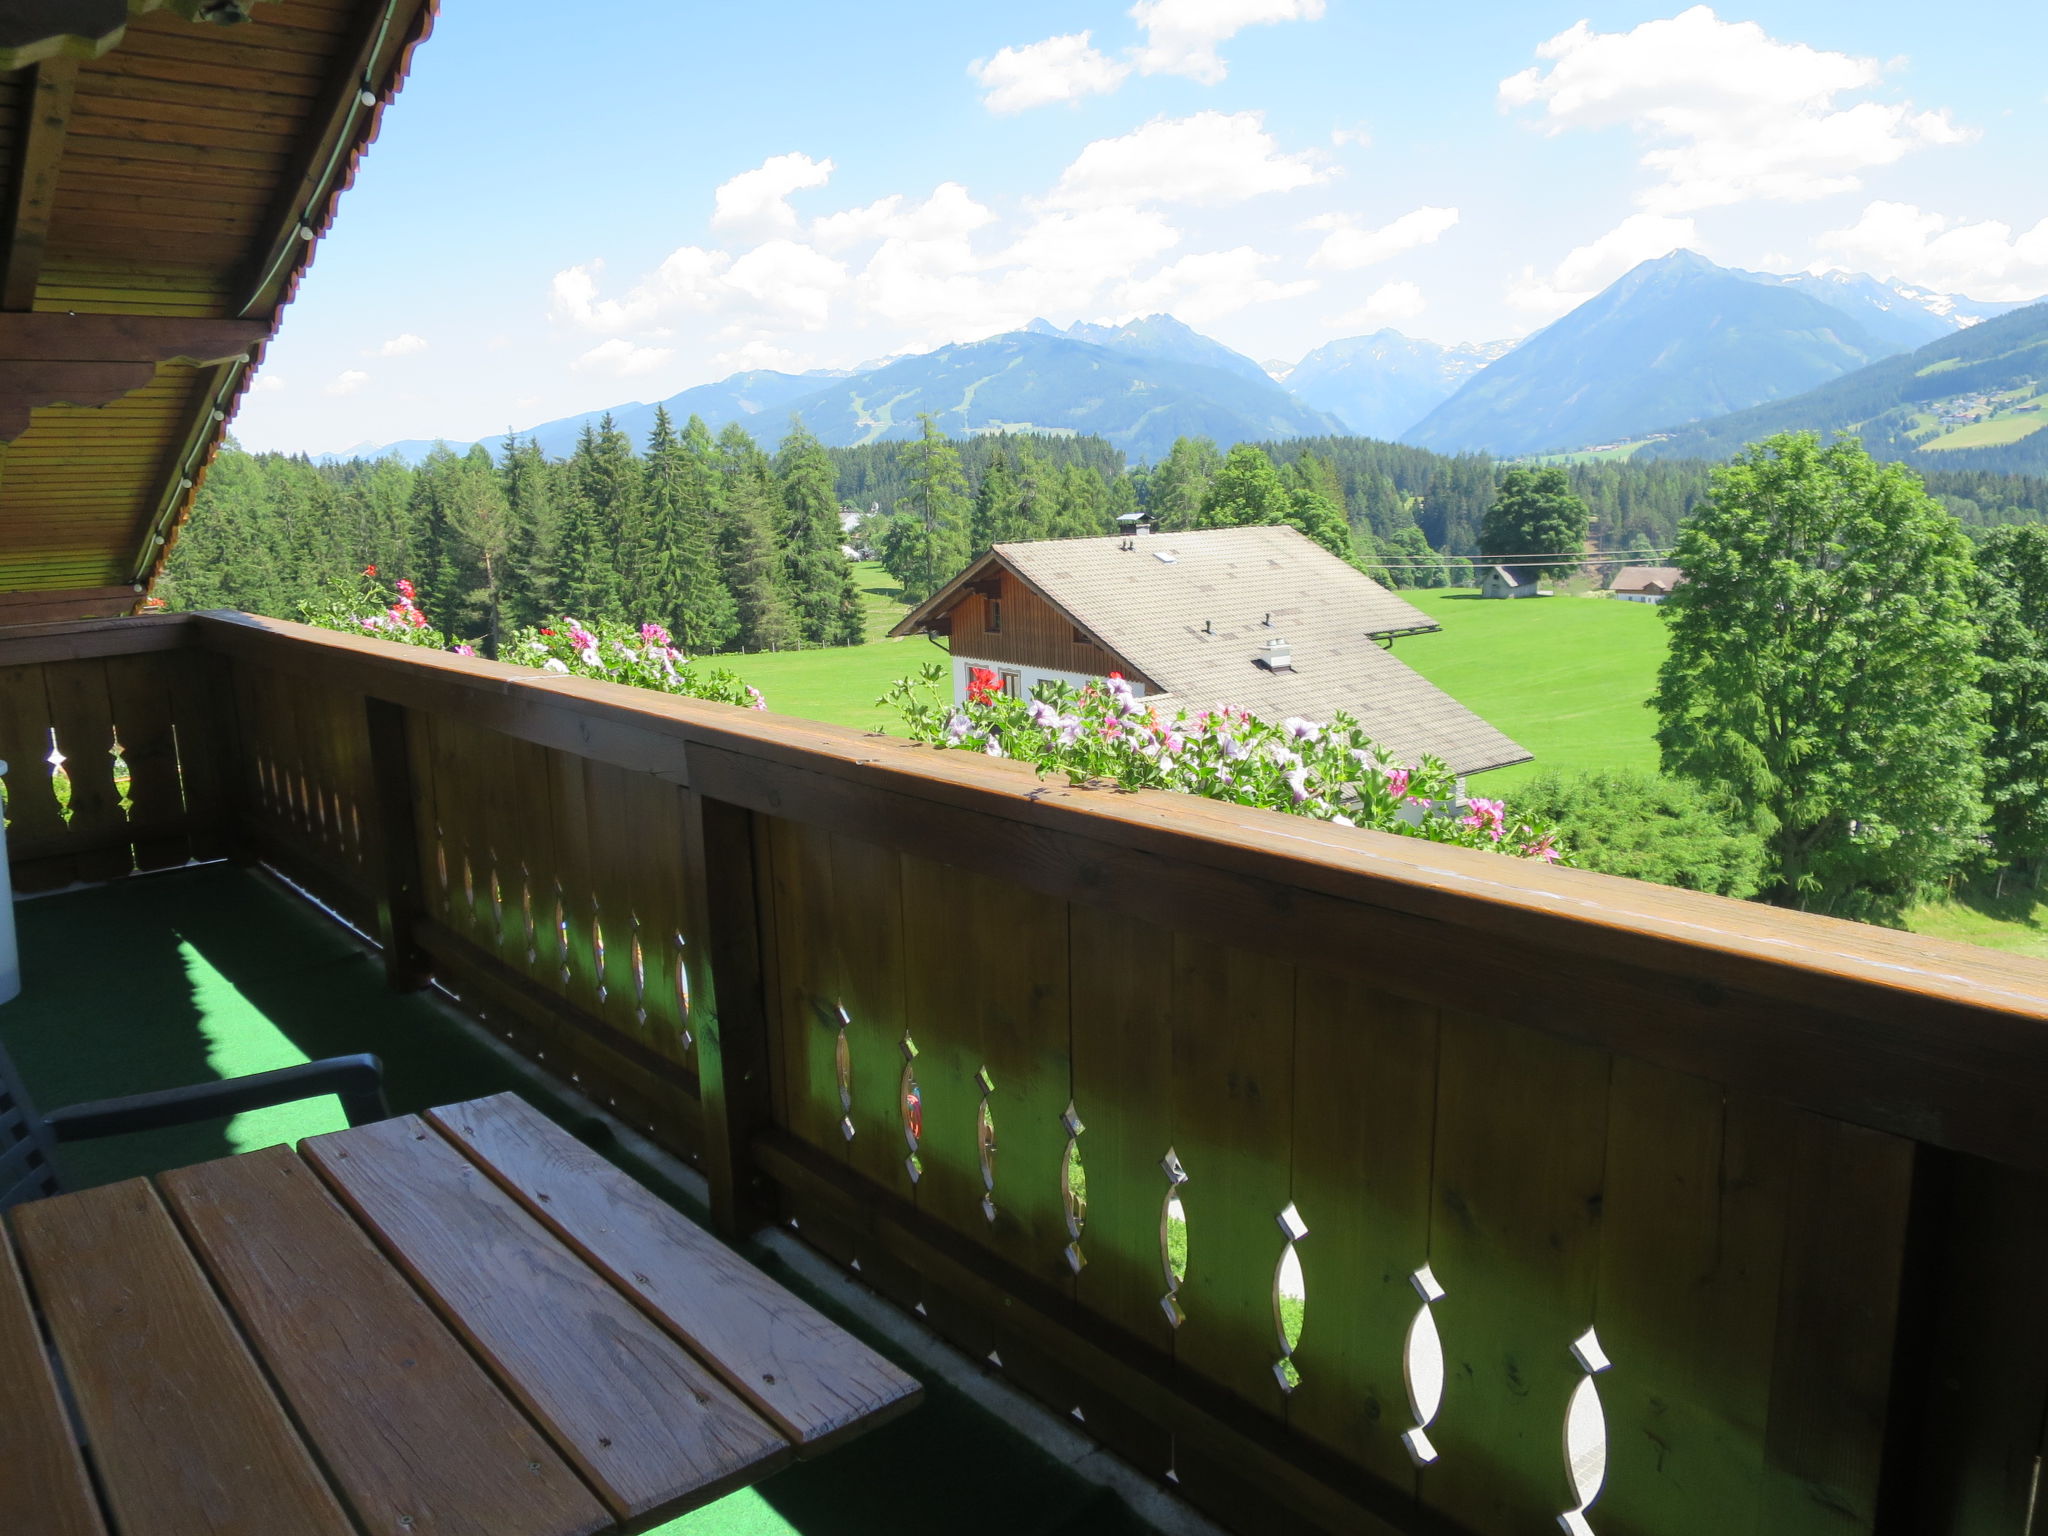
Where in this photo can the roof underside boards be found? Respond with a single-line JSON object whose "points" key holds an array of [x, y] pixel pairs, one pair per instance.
{"points": [[1196, 624], [167, 180]]}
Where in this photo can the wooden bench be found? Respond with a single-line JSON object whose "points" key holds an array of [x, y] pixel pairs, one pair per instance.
{"points": [[465, 1324]]}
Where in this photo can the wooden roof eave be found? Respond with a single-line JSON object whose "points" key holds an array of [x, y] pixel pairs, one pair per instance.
{"points": [[51, 357]]}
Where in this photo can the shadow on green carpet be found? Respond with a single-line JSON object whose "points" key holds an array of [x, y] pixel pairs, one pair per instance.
{"points": [[204, 973]]}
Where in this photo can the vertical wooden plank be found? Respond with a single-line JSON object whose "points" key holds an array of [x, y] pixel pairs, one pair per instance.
{"points": [[867, 899], [1849, 1191], [83, 717], [1365, 1069], [1123, 1053], [140, 694], [809, 985], [401, 898], [1692, 1244], [1988, 1390], [1233, 1110], [210, 755], [732, 1025], [1520, 1146], [986, 993], [569, 798]]}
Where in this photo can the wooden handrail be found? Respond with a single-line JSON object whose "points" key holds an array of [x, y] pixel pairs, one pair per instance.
{"points": [[1943, 1042]]}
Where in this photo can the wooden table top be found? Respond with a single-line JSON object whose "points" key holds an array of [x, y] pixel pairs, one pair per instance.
{"points": [[462, 1324]]}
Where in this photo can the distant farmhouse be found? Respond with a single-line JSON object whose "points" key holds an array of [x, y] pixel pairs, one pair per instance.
{"points": [[1261, 618], [1646, 583], [1511, 581]]}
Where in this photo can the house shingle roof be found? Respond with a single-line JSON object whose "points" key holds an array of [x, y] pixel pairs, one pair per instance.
{"points": [[1646, 578], [1149, 603]]}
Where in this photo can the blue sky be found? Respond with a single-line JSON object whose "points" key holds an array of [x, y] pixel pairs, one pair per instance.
{"points": [[563, 214]]}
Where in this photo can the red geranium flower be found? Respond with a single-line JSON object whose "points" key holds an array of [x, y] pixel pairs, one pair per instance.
{"points": [[369, 570], [547, 631], [982, 685]]}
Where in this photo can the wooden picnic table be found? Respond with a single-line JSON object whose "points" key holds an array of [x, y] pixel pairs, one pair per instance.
{"points": [[461, 1324]]}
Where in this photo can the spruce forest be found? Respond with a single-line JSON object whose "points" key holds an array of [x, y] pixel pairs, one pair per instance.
{"points": [[734, 548]]}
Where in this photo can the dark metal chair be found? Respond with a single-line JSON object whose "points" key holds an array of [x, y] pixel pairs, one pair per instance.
{"points": [[28, 1139]]}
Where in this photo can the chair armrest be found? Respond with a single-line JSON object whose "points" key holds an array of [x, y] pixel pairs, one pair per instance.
{"points": [[357, 1080]]}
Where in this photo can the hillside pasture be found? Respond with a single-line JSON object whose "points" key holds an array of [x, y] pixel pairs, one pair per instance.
{"points": [[1995, 433], [1565, 676]]}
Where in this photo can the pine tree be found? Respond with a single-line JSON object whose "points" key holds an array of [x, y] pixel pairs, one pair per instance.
{"points": [[1181, 484], [707, 617], [926, 543], [998, 516], [590, 572], [818, 574], [527, 482], [1082, 509], [746, 543]]}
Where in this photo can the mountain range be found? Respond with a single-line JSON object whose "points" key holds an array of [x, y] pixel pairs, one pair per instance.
{"points": [[1974, 399], [1674, 342]]}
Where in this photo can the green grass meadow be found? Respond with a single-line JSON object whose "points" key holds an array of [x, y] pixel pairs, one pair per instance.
{"points": [[1566, 676]]}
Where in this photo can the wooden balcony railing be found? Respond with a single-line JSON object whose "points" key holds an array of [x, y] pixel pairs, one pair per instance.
{"points": [[1761, 1195]]}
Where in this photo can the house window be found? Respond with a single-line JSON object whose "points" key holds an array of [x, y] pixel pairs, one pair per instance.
{"points": [[992, 615], [1013, 683]]}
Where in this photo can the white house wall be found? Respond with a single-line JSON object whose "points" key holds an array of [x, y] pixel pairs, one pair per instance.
{"points": [[1032, 676]]}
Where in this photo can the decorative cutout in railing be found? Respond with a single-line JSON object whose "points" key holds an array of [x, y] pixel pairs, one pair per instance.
{"points": [[985, 1142], [1073, 1188], [910, 1104], [1585, 1435], [1290, 1297], [683, 995], [842, 1067], [1173, 1238], [1422, 1362]]}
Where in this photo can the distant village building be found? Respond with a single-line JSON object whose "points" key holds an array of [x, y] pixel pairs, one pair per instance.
{"points": [[1646, 583], [1511, 581], [1260, 618]]}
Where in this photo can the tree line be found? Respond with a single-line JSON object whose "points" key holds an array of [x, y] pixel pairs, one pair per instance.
{"points": [[722, 544], [733, 548]]}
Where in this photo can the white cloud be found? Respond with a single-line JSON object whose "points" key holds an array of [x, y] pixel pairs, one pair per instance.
{"points": [[949, 213], [1346, 249], [267, 382], [622, 357], [348, 382], [689, 280], [757, 201], [404, 345], [1384, 305], [1181, 35], [1204, 287], [1984, 260], [1590, 267], [788, 279], [1733, 114], [1210, 158], [1064, 68]]}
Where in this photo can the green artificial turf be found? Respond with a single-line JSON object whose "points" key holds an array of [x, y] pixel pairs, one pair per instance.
{"points": [[183, 977]]}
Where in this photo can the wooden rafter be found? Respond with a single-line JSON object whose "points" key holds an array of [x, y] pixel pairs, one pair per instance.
{"points": [[94, 360], [36, 31], [35, 185]]}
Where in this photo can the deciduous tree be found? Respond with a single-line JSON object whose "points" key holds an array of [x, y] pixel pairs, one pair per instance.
{"points": [[1823, 672]]}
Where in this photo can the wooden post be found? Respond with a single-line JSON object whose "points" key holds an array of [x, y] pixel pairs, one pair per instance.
{"points": [[401, 893], [728, 1007]]}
